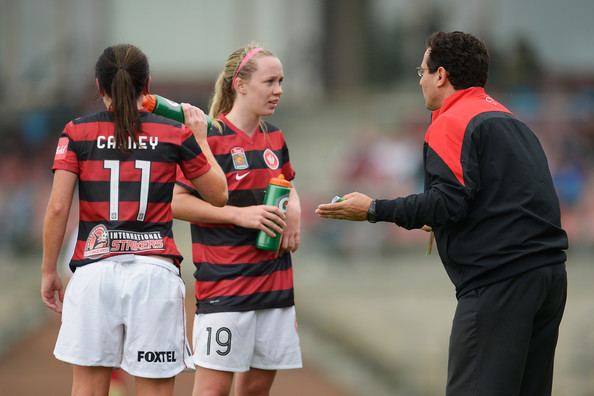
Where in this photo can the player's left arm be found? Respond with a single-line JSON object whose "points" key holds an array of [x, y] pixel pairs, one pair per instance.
{"points": [[54, 228], [291, 239]]}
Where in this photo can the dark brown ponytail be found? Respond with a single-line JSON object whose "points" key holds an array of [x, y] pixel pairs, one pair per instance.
{"points": [[123, 72]]}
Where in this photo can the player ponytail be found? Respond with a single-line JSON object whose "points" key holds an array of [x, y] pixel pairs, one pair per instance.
{"points": [[123, 74]]}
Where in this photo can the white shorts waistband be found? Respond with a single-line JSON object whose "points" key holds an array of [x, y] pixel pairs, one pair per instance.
{"points": [[159, 261]]}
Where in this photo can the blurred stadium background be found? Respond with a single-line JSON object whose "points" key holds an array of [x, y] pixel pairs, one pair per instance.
{"points": [[374, 311]]}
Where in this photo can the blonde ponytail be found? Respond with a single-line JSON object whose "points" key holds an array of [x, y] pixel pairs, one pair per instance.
{"points": [[224, 92]]}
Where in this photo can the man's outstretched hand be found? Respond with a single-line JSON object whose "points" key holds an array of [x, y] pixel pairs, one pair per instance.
{"points": [[353, 207]]}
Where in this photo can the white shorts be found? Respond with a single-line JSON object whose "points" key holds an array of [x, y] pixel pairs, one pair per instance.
{"points": [[236, 341], [126, 311]]}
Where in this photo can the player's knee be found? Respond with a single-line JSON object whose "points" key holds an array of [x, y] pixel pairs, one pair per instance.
{"points": [[254, 387]]}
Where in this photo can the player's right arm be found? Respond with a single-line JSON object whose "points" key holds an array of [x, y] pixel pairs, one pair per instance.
{"points": [[188, 207], [212, 185], [54, 228]]}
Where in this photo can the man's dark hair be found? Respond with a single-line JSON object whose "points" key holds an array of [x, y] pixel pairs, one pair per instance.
{"points": [[462, 55]]}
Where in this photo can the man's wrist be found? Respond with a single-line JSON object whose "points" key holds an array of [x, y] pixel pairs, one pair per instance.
{"points": [[371, 212]]}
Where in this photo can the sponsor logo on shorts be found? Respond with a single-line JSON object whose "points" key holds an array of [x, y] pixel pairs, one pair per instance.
{"points": [[102, 241], [157, 356]]}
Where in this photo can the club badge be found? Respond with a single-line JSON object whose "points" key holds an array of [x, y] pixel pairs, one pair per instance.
{"points": [[239, 159], [97, 243], [271, 159]]}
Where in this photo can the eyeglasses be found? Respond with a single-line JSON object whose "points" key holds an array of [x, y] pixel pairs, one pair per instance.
{"points": [[421, 71]]}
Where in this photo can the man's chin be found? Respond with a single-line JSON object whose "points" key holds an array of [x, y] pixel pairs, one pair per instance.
{"points": [[431, 107]]}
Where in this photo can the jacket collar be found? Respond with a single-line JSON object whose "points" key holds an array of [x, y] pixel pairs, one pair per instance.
{"points": [[451, 100]]}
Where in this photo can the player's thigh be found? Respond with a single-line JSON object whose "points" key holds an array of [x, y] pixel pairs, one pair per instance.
{"points": [[155, 344], [91, 333], [277, 340], [224, 340]]}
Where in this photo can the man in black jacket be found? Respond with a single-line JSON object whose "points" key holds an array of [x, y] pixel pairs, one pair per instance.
{"points": [[489, 199]]}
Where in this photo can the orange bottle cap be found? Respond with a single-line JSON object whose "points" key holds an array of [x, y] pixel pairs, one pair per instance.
{"points": [[280, 181], [149, 102]]}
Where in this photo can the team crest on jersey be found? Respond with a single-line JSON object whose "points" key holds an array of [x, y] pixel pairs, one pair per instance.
{"points": [[97, 244], [271, 159], [239, 158]]}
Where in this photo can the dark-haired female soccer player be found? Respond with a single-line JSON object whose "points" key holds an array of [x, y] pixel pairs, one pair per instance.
{"points": [[124, 306]]}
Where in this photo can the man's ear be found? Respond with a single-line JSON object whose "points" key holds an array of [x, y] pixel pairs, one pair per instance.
{"points": [[101, 91], [442, 76]]}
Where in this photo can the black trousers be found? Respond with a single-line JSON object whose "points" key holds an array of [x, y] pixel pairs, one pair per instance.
{"points": [[504, 336]]}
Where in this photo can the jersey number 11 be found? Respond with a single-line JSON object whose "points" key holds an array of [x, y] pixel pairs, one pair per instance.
{"points": [[114, 187]]}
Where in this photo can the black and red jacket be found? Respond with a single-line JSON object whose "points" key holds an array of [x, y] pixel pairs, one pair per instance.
{"points": [[489, 194]]}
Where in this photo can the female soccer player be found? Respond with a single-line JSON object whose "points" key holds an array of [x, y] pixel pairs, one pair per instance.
{"points": [[245, 318], [123, 306]]}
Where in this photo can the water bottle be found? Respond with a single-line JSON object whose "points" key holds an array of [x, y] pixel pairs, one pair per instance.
{"points": [[277, 194], [166, 108]]}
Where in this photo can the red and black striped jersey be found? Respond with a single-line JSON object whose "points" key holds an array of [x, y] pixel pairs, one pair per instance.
{"points": [[125, 197], [231, 273]]}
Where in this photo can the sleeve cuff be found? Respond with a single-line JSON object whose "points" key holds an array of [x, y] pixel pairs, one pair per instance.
{"points": [[385, 209]]}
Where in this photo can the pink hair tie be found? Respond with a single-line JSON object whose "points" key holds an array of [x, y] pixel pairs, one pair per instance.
{"points": [[245, 60]]}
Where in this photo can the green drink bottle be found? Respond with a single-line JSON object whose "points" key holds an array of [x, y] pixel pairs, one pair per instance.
{"points": [[277, 194], [166, 108]]}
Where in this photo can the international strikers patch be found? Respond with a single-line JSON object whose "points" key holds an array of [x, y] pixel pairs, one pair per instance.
{"points": [[102, 241], [240, 161], [271, 159]]}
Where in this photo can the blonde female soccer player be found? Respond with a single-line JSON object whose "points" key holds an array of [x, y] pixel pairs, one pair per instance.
{"points": [[245, 318]]}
